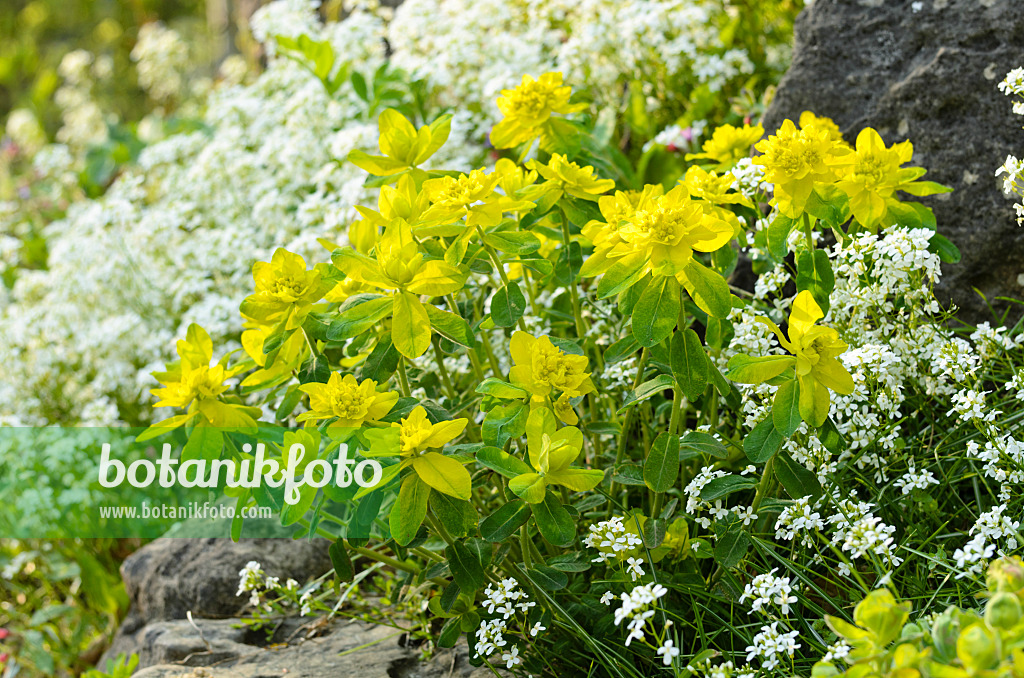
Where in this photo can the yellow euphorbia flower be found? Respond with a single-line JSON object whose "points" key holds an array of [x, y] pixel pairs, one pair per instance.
{"points": [[195, 385], [417, 436], [813, 356], [715, 190], [285, 290], [528, 107], [402, 201], [660, 236], [541, 368], [551, 451], [871, 175], [809, 120], [400, 266], [567, 177], [353, 403], [513, 178], [468, 195], [729, 144], [795, 161], [616, 209], [404, 147]]}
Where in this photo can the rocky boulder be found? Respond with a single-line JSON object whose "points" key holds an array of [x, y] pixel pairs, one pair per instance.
{"points": [[926, 70]]}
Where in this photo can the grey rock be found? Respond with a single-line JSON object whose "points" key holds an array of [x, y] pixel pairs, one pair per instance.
{"points": [[168, 578], [297, 649], [929, 76]]}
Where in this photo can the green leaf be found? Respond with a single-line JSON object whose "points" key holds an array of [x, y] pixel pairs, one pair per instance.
{"points": [[554, 522], [576, 561], [340, 560], [450, 326], [501, 389], [814, 273], [708, 289], [662, 466], [621, 349], [359, 318], [504, 522], [410, 510], [457, 516], [548, 577], [795, 477], [508, 305], [698, 442], [629, 474], [646, 390], [726, 485], [206, 442], [502, 462], [745, 369], [731, 547], [657, 311], [829, 436], [450, 633], [513, 242], [621, 276], [763, 442], [382, 361], [315, 369], [654, 532], [689, 363], [504, 422], [778, 235], [947, 251], [786, 408], [466, 569]]}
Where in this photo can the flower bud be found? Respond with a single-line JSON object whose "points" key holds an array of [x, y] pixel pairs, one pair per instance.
{"points": [[1006, 574], [1003, 611], [945, 632], [978, 648]]}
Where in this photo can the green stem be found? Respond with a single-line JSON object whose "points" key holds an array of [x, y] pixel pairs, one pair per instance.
{"points": [[445, 379], [439, 528], [574, 293], [403, 378], [524, 546], [498, 265], [807, 231], [387, 560], [762, 487], [621, 448]]}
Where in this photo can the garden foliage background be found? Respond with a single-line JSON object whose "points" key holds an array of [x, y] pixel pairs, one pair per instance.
{"points": [[130, 213]]}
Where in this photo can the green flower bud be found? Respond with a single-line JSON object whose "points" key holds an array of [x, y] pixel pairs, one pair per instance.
{"points": [[1003, 611], [978, 648], [945, 632], [909, 631], [1005, 574]]}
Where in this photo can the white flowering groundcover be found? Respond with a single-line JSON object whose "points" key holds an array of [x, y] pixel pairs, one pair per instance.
{"points": [[612, 461]]}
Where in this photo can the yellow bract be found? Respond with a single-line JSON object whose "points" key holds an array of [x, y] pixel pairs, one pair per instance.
{"points": [[567, 177], [351, 402], [659, 236], [528, 107], [444, 474], [541, 368], [399, 265], [468, 195], [551, 451], [285, 290], [729, 144], [404, 147], [402, 201], [194, 384], [814, 351], [795, 161]]}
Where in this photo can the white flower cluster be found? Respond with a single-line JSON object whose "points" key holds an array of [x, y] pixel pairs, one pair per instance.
{"points": [[914, 479], [638, 607], [799, 519], [1012, 169], [612, 540], [767, 589], [1004, 462], [505, 599], [748, 179], [694, 504], [161, 58], [771, 644]]}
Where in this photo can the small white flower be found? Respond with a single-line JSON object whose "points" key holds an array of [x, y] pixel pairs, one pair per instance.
{"points": [[668, 652]]}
